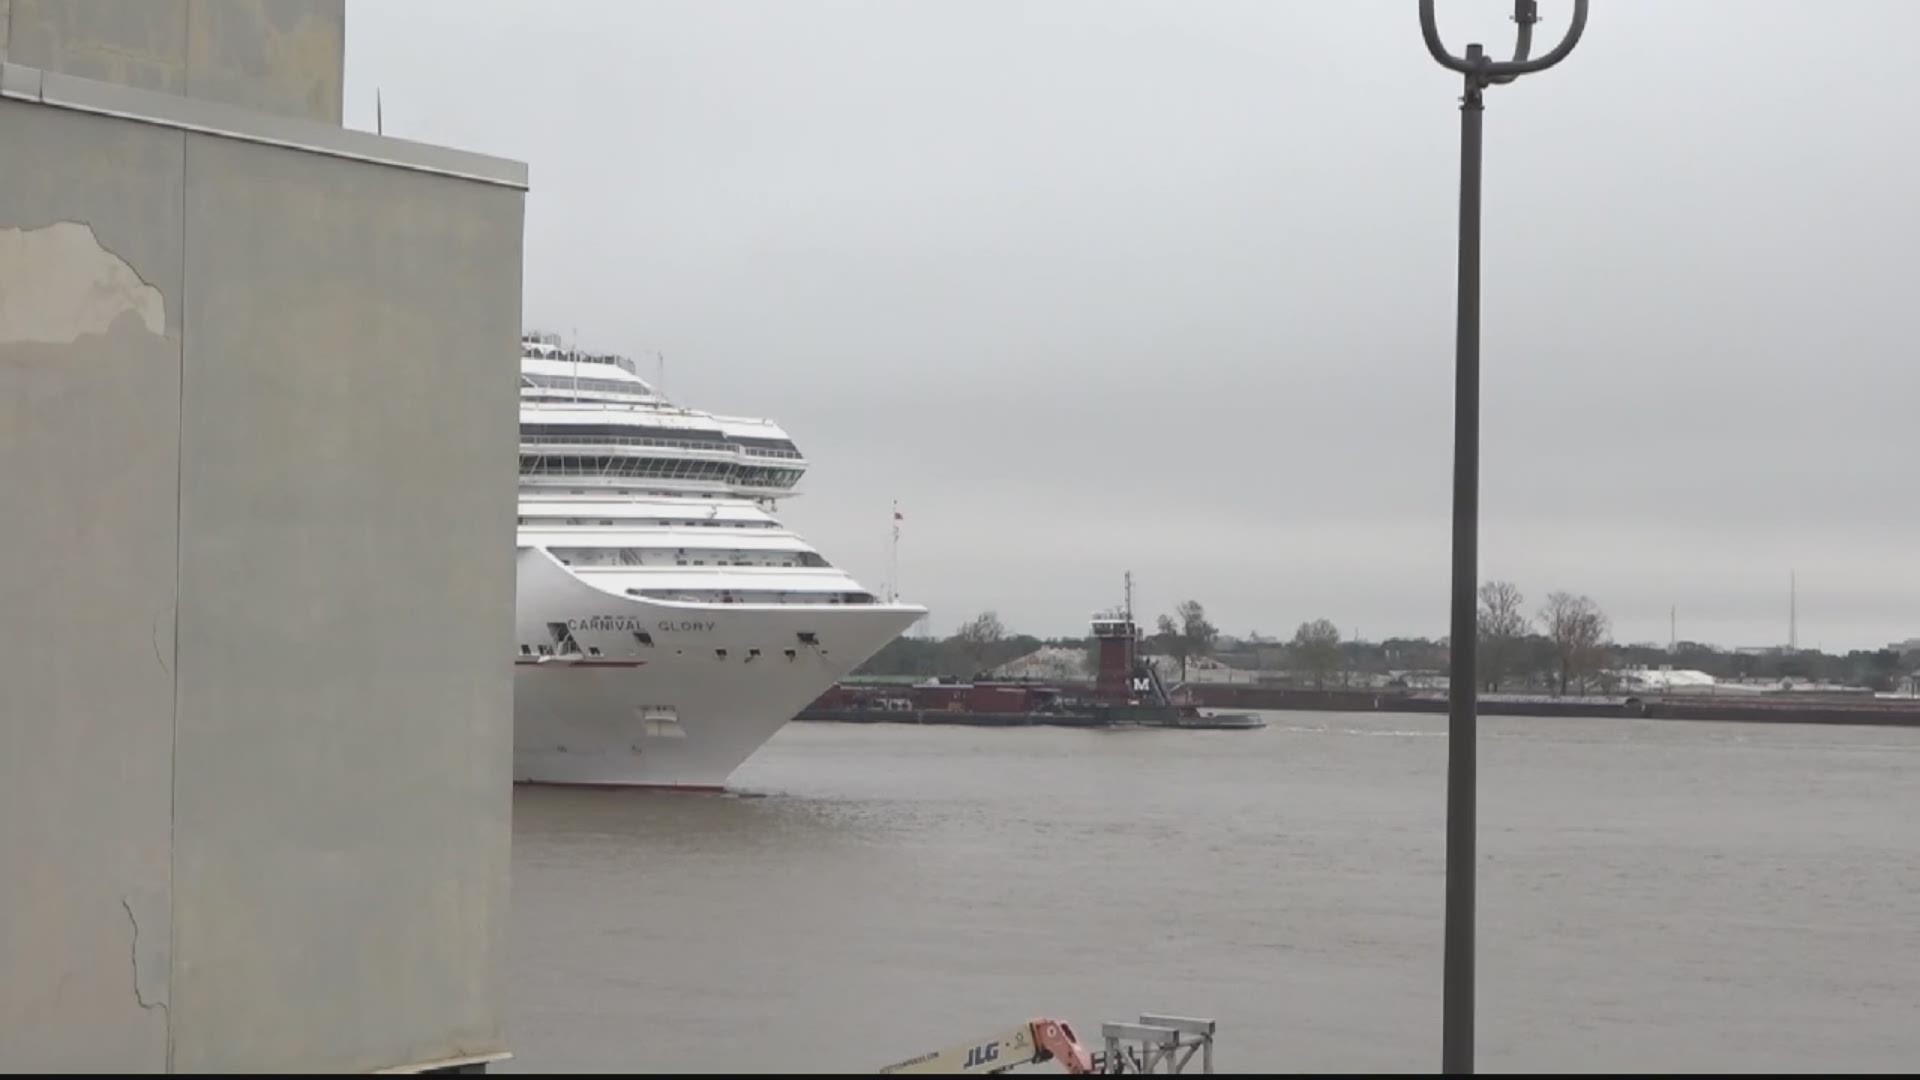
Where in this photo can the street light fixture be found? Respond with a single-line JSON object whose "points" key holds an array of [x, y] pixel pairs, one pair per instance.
{"points": [[1480, 72]]}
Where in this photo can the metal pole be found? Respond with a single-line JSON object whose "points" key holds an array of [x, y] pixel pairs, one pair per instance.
{"points": [[1456, 1021]]}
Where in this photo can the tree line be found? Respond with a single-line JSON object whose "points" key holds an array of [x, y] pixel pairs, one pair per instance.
{"points": [[1568, 651], [981, 644], [1571, 647], [1564, 646]]}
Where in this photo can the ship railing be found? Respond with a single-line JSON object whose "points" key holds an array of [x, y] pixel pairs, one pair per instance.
{"points": [[550, 464], [733, 450], [653, 442], [560, 477]]}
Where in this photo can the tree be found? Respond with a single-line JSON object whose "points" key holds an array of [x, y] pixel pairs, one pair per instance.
{"points": [[1879, 669], [979, 636], [1502, 628], [1187, 633], [1316, 647], [1577, 629], [1166, 638]]}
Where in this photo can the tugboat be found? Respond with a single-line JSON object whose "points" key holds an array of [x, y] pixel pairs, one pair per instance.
{"points": [[1127, 691]]}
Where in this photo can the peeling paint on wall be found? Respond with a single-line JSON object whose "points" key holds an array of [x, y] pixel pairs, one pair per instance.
{"points": [[58, 284]]}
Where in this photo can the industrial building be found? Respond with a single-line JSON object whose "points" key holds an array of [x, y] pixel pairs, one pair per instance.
{"points": [[258, 415]]}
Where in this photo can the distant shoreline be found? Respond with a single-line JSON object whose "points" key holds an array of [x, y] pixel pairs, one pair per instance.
{"points": [[1860, 711], [1770, 708]]}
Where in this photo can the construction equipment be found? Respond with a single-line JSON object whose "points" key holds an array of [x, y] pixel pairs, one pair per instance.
{"points": [[1033, 1042], [1156, 1044]]}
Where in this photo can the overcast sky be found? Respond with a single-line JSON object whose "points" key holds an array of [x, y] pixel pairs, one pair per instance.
{"points": [[1099, 286]]}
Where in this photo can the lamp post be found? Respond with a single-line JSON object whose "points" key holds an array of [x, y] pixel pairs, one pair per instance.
{"points": [[1479, 72]]}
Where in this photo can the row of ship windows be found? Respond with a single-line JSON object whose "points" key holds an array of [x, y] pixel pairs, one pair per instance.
{"points": [[664, 444], [649, 523], [644, 492], [713, 440], [544, 649], [682, 557], [563, 644], [748, 596], [567, 382], [677, 469]]}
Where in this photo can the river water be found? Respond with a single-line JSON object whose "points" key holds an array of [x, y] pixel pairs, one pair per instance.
{"points": [[1653, 896]]}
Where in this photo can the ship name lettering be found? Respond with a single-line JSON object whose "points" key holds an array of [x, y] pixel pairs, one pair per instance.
{"points": [[605, 622]]}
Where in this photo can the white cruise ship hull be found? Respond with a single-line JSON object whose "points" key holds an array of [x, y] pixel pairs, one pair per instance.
{"points": [[685, 710]]}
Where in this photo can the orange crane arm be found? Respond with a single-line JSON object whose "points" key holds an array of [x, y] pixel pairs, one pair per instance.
{"points": [[1056, 1040]]}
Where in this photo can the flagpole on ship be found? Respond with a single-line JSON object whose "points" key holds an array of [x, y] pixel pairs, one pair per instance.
{"points": [[893, 558]]}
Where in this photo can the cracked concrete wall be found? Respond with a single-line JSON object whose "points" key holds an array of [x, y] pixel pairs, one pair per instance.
{"points": [[278, 56], [258, 409], [90, 213]]}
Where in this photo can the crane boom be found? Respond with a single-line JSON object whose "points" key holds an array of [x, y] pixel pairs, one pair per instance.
{"points": [[1031, 1043]]}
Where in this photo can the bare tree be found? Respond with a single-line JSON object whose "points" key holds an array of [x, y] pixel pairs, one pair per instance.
{"points": [[1577, 629], [1200, 633], [978, 637], [1187, 633], [1316, 647], [1503, 627], [1167, 639]]}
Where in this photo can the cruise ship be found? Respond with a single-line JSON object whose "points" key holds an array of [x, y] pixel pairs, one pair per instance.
{"points": [[668, 625]]}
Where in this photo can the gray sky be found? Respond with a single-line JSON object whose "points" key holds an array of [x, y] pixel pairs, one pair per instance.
{"points": [[1168, 287]]}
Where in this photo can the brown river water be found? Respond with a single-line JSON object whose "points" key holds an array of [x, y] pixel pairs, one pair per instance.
{"points": [[1654, 895]]}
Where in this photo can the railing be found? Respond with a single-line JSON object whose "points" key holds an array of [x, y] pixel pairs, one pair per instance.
{"points": [[726, 448], [721, 483], [729, 449], [637, 398], [719, 480], [1155, 1044], [549, 514]]}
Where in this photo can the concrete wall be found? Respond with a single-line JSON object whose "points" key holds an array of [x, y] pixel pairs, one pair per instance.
{"points": [[89, 434], [348, 457], [258, 412], [279, 56]]}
